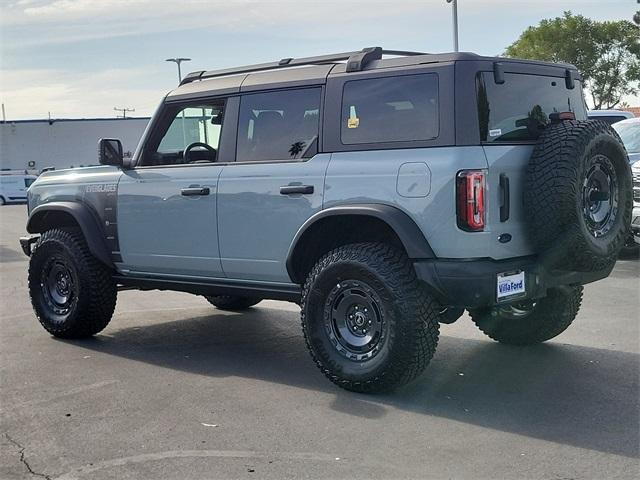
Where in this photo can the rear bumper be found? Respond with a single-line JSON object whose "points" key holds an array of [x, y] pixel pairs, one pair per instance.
{"points": [[473, 283]]}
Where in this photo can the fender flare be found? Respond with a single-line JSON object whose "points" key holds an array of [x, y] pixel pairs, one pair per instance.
{"points": [[412, 238], [83, 216]]}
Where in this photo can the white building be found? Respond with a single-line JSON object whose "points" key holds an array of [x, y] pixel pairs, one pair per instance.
{"points": [[62, 143]]}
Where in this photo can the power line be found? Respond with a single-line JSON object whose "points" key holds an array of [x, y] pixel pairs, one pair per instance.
{"points": [[124, 111]]}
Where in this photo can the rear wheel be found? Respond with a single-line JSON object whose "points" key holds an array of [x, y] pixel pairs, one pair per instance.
{"points": [[368, 323], [530, 322], [2, 201], [72, 293], [232, 302]]}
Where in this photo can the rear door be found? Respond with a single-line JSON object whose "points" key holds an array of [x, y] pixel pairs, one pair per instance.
{"points": [[511, 117], [274, 186]]}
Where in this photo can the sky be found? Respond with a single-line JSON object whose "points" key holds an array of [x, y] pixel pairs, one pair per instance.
{"points": [[82, 58]]}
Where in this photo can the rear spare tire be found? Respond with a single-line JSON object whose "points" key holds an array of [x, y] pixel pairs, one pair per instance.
{"points": [[578, 195]]}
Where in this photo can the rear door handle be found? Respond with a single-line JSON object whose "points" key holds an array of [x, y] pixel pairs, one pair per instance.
{"points": [[293, 189], [194, 191], [505, 201]]}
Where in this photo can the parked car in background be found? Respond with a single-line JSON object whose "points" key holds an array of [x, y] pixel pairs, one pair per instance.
{"points": [[13, 187], [609, 116], [629, 131], [632, 246]]}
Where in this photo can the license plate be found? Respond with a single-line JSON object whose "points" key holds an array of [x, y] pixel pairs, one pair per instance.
{"points": [[510, 285]]}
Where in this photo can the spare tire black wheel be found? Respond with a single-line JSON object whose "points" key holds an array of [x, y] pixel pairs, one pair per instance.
{"points": [[578, 195]]}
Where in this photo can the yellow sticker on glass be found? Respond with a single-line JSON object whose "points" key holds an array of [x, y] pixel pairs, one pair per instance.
{"points": [[353, 122]]}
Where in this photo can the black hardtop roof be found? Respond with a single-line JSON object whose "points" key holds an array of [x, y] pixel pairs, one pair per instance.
{"points": [[318, 68]]}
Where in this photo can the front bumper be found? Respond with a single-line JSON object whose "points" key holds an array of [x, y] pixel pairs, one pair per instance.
{"points": [[473, 283], [27, 241]]}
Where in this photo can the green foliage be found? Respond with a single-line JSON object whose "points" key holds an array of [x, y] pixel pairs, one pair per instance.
{"points": [[606, 53]]}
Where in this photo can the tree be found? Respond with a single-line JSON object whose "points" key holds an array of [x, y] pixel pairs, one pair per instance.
{"points": [[606, 53], [636, 17]]}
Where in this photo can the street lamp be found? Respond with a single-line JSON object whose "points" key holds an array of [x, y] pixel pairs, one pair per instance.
{"points": [[178, 61], [454, 13]]}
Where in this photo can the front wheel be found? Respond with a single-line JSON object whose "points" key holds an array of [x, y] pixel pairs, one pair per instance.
{"points": [[72, 293], [530, 322], [368, 323]]}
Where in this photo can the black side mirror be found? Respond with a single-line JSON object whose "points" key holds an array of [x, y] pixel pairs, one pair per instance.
{"points": [[110, 151]]}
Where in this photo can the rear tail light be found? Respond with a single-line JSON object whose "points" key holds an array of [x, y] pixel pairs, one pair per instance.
{"points": [[470, 192]]}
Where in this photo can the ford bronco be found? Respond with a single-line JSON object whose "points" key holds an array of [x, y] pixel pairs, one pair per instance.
{"points": [[385, 192]]}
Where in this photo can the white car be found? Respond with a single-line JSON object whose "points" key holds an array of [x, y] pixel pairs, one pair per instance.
{"points": [[609, 116], [629, 131], [13, 188]]}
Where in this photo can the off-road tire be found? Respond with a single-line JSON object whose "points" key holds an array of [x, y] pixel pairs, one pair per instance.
{"points": [[232, 302], [557, 178], [409, 317], [93, 298], [550, 316]]}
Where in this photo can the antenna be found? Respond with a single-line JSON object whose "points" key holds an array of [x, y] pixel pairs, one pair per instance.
{"points": [[124, 111]]}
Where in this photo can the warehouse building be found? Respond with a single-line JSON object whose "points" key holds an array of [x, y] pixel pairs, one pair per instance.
{"points": [[63, 143]]}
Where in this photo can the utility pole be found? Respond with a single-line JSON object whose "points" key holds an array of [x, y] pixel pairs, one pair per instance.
{"points": [[178, 61], [124, 111], [454, 15]]}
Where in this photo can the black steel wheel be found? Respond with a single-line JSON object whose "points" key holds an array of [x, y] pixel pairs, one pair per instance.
{"points": [[368, 323], [578, 196], [72, 293]]}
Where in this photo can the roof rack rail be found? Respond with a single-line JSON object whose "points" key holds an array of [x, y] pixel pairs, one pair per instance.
{"points": [[356, 61]]}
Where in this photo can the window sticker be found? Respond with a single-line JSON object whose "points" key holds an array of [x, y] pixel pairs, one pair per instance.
{"points": [[353, 121], [496, 132]]}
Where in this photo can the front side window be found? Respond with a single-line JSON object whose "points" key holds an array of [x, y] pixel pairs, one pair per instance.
{"points": [[519, 108], [390, 109], [191, 135], [279, 125]]}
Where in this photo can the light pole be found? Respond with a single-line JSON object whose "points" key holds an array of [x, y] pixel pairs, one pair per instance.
{"points": [[454, 14], [178, 61]]}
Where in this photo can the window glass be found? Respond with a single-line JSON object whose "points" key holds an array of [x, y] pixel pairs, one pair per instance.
{"points": [[610, 119], [278, 125], [630, 134], [391, 109], [28, 182], [519, 108], [191, 136]]}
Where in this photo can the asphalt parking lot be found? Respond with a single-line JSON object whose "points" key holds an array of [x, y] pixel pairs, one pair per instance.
{"points": [[173, 388]]}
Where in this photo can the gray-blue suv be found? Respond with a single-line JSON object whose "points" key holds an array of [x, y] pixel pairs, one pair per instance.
{"points": [[384, 191]]}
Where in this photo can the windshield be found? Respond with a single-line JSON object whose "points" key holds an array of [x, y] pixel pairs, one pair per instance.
{"points": [[519, 108], [630, 135]]}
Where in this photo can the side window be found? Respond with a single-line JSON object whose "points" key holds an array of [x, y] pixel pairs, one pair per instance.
{"points": [[191, 136], [279, 125], [390, 109]]}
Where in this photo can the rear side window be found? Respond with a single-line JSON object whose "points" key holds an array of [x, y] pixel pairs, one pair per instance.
{"points": [[390, 109], [28, 182], [279, 125], [519, 108]]}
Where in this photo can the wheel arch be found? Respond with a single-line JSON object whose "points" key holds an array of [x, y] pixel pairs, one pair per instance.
{"points": [[71, 214], [355, 223]]}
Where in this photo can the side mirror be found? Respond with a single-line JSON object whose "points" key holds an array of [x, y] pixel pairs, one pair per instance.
{"points": [[110, 152]]}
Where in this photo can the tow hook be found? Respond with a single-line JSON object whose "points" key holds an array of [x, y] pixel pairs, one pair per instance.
{"points": [[27, 241]]}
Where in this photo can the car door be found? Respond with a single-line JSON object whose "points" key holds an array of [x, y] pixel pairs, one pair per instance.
{"points": [[274, 186], [167, 204]]}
